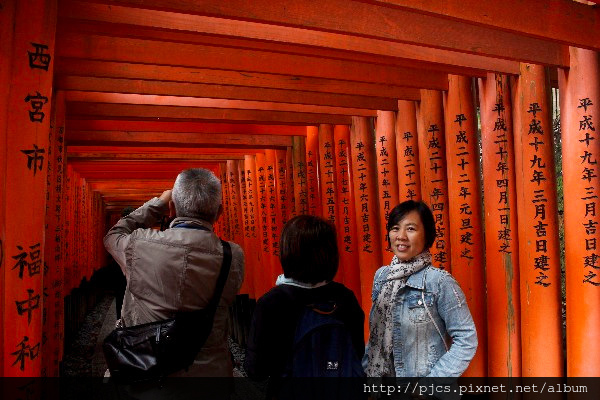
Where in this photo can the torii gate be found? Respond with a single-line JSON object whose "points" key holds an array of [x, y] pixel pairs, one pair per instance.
{"points": [[337, 108]]}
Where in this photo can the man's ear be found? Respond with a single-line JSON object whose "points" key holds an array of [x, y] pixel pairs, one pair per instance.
{"points": [[172, 212]]}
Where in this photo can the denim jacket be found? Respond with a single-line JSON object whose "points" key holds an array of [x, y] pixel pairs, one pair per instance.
{"points": [[418, 348]]}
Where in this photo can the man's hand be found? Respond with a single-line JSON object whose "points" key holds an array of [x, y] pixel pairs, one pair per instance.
{"points": [[166, 196]]}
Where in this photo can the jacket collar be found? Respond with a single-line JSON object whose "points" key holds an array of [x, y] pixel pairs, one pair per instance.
{"points": [[191, 221], [416, 280]]}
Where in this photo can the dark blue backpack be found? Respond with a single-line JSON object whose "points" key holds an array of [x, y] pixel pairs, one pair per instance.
{"points": [[323, 346]]}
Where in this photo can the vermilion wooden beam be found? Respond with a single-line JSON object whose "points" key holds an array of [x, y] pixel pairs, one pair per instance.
{"points": [[264, 34], [94, 84], [74, 66], [70, 27], [175, 138], [129, 98], [368, 20], [565, 21], [180, 54], [138, 165], [190, 127], [145, 156], [149, 151], [192, 113]]}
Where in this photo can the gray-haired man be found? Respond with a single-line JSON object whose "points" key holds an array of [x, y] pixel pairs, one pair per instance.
{"points": [[176, 269]]}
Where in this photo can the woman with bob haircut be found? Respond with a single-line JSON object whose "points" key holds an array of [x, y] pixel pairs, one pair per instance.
{"points": [[309, 257], [416, 307]]}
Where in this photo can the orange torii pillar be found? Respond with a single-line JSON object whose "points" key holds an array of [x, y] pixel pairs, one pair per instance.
{"points": [[67, 221], [249, 244], [264, 224], [501, 246], [407, 152], [284, 200], [328, 179], [25, 140], [300, 175], [387, 174], [235, 211], [312, 170], [327, 173], [580, 123], [364, 187], [274, 212], [539, 253], [432, 158], [53, 256], [290, 183], [225, 219], [464, 188], [346, 227], [253, 254], [7, 15]]}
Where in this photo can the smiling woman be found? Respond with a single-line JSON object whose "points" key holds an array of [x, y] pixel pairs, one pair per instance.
{"points": [[417, 307]]}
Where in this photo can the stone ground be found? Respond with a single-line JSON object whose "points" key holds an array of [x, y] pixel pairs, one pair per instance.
{"points": [[84, 356]]}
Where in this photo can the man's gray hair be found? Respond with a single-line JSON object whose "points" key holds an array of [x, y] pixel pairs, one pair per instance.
{"points": [[197, 194]]}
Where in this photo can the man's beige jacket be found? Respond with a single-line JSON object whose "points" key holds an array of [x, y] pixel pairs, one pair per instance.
{"points": [[175, 270]]}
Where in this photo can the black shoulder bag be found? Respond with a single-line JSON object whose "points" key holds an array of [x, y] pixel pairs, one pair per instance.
{"points": [[156, 349]]}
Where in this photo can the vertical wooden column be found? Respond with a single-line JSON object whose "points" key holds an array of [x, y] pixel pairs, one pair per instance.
{"points": [[539, 253], [274, 212], [346, 227], [432, 159], [327, 173], [407, 152], [67, 223], [254, 255], [364, 187], [501, 246], [580, 122], [7, 25], [26, 136], [226, 215], [53, 324], [248, 243], [312, 170], [283, 198], [387, 174], [466, 227], [235, 210], [233, 181], [300, 174], [290, 181], [264, 223]]}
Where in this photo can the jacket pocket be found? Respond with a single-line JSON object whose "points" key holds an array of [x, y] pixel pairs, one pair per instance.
{"points": [[416, 309]]}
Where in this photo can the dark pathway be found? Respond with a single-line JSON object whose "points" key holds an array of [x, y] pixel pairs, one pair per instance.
{"points": [[84, 357]]}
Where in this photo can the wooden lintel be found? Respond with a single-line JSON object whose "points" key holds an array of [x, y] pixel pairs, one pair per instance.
{"points": [[146, 156], [161, 25], [208, 128], [374, 21], [138, 86], [110, 69], [201, 102], [106, 48], [185, 138], [564, 21], [174, 113]]}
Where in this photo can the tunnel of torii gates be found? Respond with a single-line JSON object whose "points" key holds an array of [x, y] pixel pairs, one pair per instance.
{"points": [[335, 108]]}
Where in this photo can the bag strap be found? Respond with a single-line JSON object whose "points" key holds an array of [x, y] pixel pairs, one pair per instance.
{"points": [[224, 272], [225, 266]]}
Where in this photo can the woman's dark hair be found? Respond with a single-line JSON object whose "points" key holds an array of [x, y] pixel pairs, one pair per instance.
{"points": [[308, 249], [399, 212]]}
